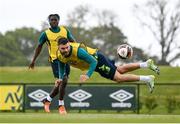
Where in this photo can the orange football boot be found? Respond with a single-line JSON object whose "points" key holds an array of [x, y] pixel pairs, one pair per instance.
{"points": [[46, 106], [62, 110]]}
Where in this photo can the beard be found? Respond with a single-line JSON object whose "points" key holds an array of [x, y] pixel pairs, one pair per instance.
{"points": [[65, 54]]}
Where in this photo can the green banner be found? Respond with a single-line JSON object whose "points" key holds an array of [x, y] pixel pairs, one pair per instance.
{"points": [[111, 97], [101, 97]]}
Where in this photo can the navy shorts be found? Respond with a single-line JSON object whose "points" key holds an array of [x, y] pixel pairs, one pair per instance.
{"points": [[56, 70], [105, 67]]}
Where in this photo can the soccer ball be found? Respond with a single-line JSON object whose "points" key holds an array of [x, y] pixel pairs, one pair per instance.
{"points": [[125, 51]]}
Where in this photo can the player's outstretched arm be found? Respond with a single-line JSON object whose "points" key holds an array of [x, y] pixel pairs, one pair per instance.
{"points": [[37, 52], [83, 55]]}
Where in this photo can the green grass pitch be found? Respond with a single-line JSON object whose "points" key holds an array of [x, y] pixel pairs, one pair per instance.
{"points": [[86, 118], [44, 75]]}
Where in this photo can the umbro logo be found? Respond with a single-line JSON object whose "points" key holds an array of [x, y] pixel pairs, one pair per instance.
{"points": [[79, 95], [121, 95], [38, 95]]}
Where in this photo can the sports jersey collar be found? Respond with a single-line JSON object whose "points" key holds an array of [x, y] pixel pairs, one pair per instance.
{"points": [[55, 29]]}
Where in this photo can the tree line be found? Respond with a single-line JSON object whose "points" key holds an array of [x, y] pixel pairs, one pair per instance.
{"points": [[17, 47]]}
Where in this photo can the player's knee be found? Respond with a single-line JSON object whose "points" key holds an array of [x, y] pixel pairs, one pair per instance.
{"points": [[119, 80], [121, 70], [118, 77], [57, 84]]}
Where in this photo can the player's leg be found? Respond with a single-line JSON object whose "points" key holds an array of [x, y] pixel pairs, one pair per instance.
{"points": [[108, 70], [55, 89], [62, 87], [133, 66], [128, 67], [148, 79]]}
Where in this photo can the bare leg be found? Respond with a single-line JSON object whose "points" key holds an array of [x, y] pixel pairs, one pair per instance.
{"points": [[128, 67], [148, 79], [125, 77], [131, 77]]}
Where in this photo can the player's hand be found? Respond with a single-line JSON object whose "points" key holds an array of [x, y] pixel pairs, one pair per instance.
{"points": [[31, 66], [58, 82], [83, 78]]}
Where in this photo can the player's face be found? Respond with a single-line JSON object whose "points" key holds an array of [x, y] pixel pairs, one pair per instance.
{"points": [[53, 21], [64, 49]]}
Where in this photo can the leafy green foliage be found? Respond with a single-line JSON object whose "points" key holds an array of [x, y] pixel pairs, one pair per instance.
{"points": [[171, 103], [150, 103], [17, 47]]}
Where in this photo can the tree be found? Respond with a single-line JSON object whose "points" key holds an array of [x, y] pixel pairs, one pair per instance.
{"points": [[163, 20], [77, 22], [9, 52], [17, 47], [25, 39], [139, 55], [104, 34], [78, 17], [107, 39]]}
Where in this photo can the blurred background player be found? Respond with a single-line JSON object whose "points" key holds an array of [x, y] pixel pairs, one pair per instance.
{"points": [[50, 37], [86, 58]]}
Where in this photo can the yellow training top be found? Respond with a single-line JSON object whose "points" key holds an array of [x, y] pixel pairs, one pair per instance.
{"points": [[73, 58], [53, 41]]}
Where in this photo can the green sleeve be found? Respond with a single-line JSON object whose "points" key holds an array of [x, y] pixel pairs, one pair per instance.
{"points": [[42, 38], [83, 55], [70, 36]]}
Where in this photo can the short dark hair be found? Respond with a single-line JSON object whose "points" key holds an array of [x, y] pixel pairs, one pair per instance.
{"points": [[62, 40], [53, 15]]}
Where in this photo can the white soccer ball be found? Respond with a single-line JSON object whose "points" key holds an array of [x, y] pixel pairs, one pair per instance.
{"points": [[125, 51]]}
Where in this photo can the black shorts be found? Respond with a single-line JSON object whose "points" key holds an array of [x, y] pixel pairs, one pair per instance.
{"points": [[55, 68], [105, 67]]}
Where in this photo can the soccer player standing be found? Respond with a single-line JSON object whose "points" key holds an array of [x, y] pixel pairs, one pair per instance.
{"points": [[50, 37]]}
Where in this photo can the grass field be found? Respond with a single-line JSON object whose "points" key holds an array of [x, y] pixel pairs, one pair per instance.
{"points": [[85, 118], [160, 96], [44, 75], [39, 75]]}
